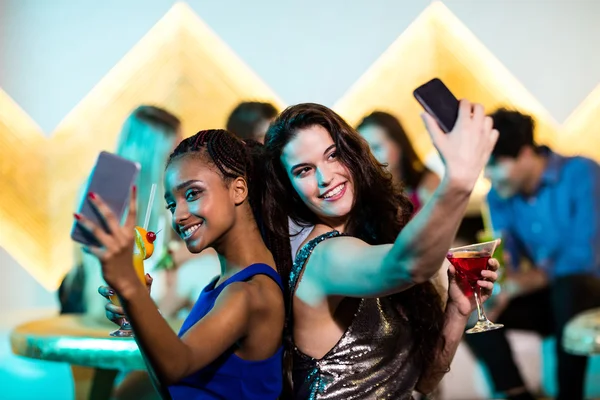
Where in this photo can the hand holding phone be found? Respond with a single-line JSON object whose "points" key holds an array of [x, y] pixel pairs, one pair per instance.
{"points": [[111, 178], [439, 102], [467, 150]]}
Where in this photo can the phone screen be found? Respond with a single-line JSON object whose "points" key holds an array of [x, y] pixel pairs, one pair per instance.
{"points": [[111, 178], [439, 102]]}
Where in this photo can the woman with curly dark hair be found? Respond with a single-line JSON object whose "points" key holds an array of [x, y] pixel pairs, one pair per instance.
{"points": [[364, 322]]}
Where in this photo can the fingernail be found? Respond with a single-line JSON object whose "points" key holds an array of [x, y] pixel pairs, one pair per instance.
{"points": [[148, 276], [77, 217], [92, 195], [134, 189]]}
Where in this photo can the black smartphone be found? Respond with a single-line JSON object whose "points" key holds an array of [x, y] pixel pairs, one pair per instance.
{"points": [[439, 102], [111, 178]]}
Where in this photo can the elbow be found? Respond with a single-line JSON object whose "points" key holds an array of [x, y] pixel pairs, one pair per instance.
{"points": [[174, 371], [407, 271], [169, 376], [170, 379], [172, 376], [421, 275], [412, 268]]}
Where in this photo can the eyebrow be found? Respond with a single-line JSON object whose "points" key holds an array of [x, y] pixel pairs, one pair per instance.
{"points": [[306, 164], [184, 185]]}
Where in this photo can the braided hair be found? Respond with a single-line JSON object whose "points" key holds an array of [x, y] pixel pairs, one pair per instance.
{"points": [[235, 158]]}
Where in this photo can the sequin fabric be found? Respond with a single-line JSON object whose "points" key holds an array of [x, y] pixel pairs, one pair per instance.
{"points": [[372, 359]]}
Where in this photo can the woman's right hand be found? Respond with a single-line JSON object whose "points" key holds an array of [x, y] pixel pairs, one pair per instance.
{"points": [[467, 148], [113, 312]]}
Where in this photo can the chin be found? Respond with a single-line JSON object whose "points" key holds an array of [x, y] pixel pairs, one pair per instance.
{"points": [[334, 210], [342, 211], [338, 209], [196, 246]]}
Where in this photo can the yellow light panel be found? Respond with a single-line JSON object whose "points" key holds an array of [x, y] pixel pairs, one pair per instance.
{"points": [[581, 131], [180, 64], [183, 66], [438, 44]]}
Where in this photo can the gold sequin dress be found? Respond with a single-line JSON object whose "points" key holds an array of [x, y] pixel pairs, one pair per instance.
{"points": [[372, 360]]}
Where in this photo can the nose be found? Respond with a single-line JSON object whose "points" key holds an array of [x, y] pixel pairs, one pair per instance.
{"points": [[324, 177], [181, 214]]}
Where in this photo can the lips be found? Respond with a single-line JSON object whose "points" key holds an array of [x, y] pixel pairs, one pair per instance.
{"points": [[334, 193], [188, 231]]}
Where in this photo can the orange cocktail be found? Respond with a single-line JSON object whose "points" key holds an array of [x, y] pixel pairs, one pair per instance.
{"points": [[143, 249]]}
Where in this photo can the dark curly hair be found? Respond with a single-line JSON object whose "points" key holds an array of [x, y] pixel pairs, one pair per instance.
{"points": [[236, 158], [379, 213]]}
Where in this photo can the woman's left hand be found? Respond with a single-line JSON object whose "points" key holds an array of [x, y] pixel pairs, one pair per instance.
{"points": [[116, 251], [457, 286]]}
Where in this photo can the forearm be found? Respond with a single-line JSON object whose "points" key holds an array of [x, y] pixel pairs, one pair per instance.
{"points": [[454, 326], [423, 244], [168, 355]]}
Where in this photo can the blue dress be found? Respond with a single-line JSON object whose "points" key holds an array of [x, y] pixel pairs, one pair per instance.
{"points": [[230, 377]]}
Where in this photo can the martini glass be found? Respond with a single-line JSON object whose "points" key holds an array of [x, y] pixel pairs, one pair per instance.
{"points": [[469, 261]]}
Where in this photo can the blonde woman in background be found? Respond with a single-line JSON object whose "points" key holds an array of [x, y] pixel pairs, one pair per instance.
{"points": [[147, 137]]}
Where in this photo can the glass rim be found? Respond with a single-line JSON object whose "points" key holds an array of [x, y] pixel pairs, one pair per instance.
{"points": [[454, 249]]}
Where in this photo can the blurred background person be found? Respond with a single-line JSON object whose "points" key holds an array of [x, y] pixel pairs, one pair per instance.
{"points": [[147, 137], [391, 146], [251, 119], [547, 208]]}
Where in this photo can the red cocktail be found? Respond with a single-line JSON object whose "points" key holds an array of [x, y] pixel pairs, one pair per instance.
{"points": [[469, 261], [469, 265]]}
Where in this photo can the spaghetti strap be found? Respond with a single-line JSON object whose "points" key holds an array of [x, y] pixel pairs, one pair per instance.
{"points": [[297, 268], [303, 255]]}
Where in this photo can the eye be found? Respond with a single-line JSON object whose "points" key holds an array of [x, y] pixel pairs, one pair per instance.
{"points": [[171, 207], [333, 155], [302, 171], [192, 194]]}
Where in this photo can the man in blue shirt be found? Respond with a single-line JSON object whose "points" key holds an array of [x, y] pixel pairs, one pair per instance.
{"points": [[547, 209]]}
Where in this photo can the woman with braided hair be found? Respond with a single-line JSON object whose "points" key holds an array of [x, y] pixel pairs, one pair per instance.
{"points": [[230, 345]]}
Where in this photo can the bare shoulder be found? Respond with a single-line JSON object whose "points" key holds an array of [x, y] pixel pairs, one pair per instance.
{"points": [[333, 249], [319, 230], [260, 297], [263, 293], [236, 294]]}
